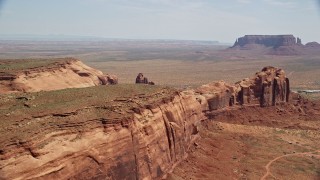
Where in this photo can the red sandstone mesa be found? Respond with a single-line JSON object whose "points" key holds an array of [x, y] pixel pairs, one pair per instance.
{"points": [[275, 44], [114, 142]]}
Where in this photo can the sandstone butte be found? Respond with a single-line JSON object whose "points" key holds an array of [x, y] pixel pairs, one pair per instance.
{"points": [[43, 75], [93, 133], [276, 45]]}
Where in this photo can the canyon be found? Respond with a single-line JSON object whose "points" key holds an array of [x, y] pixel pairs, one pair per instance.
{"points": [[136, 131]]}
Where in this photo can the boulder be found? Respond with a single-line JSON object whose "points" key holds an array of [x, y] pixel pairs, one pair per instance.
{"points": [[108, 79]]}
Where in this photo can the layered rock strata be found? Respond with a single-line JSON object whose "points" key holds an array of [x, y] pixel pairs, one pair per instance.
{"points": [[105, 142], [60, 74], [267, 40], [287, 45], [268, 87], [216, 95], [140, 137]]}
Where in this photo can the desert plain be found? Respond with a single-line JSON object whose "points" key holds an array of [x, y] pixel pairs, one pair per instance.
{"points": [[239, 142]]}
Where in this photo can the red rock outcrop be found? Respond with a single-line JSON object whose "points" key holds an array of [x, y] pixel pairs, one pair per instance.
{"points": [[108, 79], [140, 79], [60, 74], [216, 95], [267, 88], [96, 143], [141, 137]]}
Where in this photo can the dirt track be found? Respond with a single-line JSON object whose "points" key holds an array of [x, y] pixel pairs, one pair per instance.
{"points": [[287, 155], [256, 143]]}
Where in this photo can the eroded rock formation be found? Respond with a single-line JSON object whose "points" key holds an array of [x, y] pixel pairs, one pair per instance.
{"points": [[140, 79], [104, 142], [141, 137], [59, 74], [299, 41], [216, 95], [275, 45], [267, 40], [268, 87], [108, 79]]}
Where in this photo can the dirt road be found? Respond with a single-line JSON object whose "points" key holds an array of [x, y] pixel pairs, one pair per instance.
{"points": [[268, 173]]}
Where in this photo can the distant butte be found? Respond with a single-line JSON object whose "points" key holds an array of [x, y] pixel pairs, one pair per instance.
{"points": [[275, 44], [313, 44], [267, 40]]}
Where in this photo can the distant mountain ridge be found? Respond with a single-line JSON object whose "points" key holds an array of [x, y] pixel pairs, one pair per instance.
{"points": [[49, 37]]}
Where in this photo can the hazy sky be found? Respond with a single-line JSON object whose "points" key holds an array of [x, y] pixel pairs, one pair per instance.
{"points": [[222, 20]]}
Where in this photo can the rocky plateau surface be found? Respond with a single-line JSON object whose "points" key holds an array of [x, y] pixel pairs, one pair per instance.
{"points": [[34, 75], [119, 132]]}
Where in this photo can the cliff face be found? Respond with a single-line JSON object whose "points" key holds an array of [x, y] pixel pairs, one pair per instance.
{"points": [[64, 73], [271, 45], [146, 144], [139, 137], [287, 45], [162, 135], [266, 40], [268, 87]]}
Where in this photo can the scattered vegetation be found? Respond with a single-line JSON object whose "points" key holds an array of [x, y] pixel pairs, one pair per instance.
{"points": [[22, 64]]}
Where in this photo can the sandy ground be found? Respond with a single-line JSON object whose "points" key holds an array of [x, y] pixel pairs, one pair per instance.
{"points": [[178, 63], [195, 73], [280, 145]]}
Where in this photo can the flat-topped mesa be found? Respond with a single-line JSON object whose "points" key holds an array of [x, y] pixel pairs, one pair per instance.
{"points": [[267, 40], [268, 87], [279, 45], [141, 136]]}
